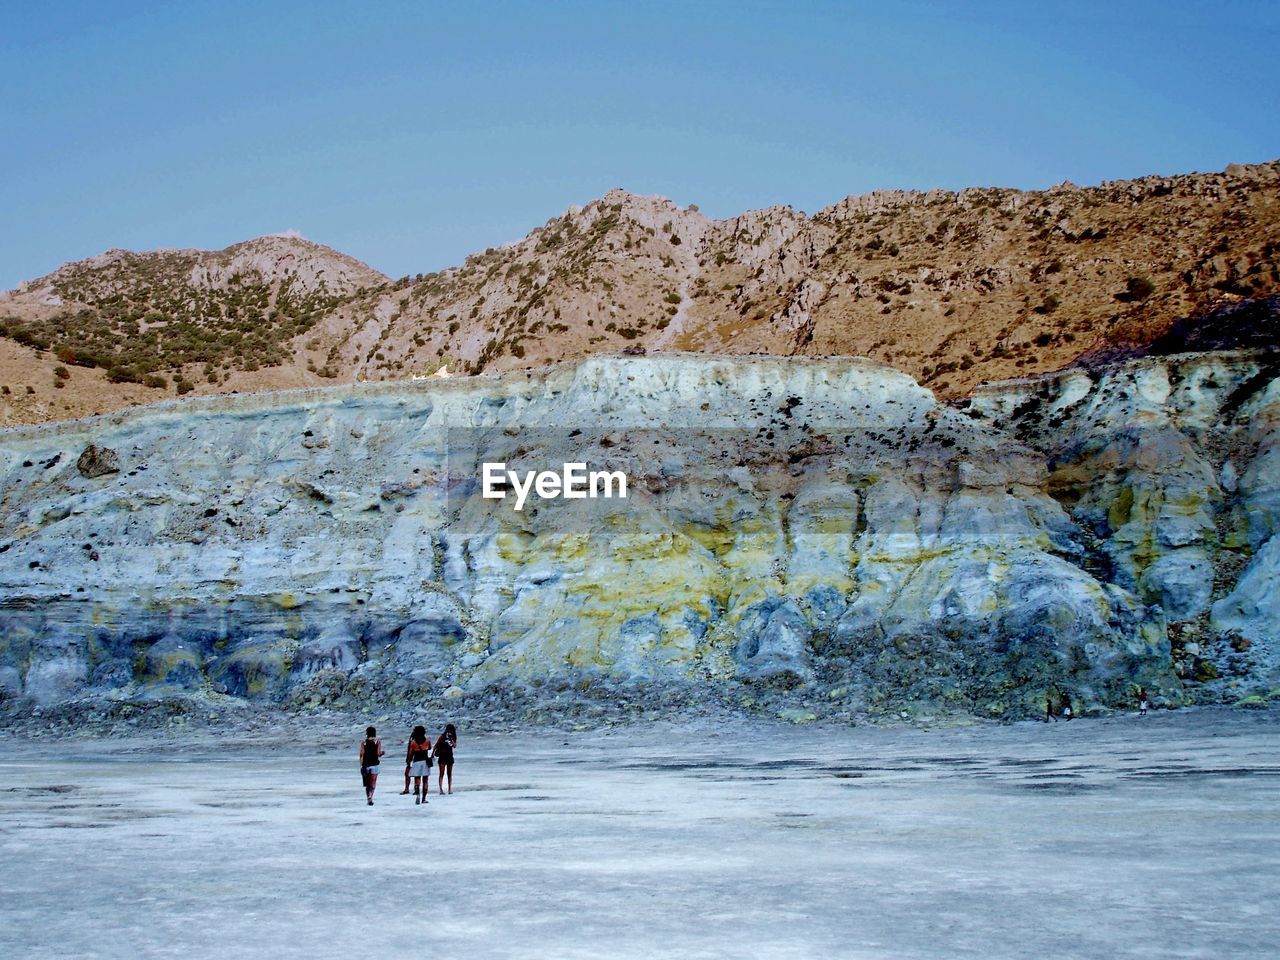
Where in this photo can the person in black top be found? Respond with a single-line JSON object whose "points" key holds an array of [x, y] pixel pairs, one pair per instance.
{"points": [[418, 759], [445, 745], [407, 765], [370, 754]]}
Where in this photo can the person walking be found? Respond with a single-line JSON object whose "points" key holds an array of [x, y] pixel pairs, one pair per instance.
{"points": [[445, 745], [407, 765], [1048, 709], [1066, 707], [370, 754], [1144, 704], [418, 760]]}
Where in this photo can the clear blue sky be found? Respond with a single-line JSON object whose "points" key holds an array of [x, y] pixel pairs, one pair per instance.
{"points": [[409, 134]]}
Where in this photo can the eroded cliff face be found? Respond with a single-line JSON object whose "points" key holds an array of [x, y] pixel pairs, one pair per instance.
{"points": [[1169, 468], [820, 537]]}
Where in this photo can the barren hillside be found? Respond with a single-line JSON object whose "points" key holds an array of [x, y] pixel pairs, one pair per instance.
{"points": [[954, 288]]}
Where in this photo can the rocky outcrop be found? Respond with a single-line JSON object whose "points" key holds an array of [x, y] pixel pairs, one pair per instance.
{"points": [[799, 534], [1169, 468], [97, 461]]}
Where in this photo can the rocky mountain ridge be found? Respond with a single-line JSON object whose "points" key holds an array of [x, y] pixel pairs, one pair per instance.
{"points": [[955, 288]]}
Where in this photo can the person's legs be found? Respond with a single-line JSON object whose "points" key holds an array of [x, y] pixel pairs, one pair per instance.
{"points": [[373, 785], [450, 778], [406, 780]]}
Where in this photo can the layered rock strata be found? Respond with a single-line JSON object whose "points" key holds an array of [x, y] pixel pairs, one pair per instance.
{"points": [[819, 533]]}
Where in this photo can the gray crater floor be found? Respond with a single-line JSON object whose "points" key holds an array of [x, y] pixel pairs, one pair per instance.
{"points": [[1109, 838]]}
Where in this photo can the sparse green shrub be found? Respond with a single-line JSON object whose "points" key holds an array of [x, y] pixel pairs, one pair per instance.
{"points": [[1136, 289], [123, 375]]}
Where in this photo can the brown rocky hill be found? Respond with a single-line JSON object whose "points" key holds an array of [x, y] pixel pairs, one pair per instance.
{"points": [[124, 328], [954, 288]]}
